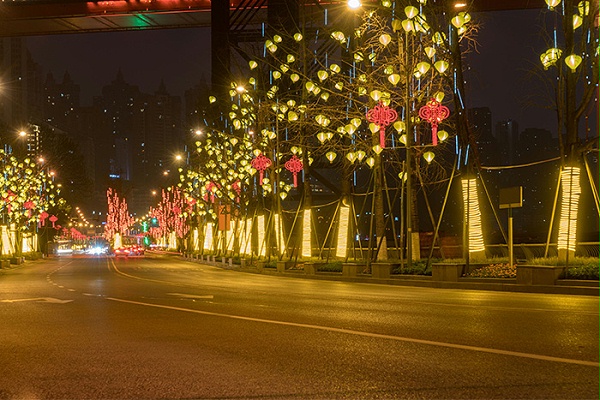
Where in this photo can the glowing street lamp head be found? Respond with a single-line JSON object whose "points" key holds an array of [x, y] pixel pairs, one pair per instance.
{"points": [[240, 89], [22, 133], [354, 4], [178, 157], [198, 132]]}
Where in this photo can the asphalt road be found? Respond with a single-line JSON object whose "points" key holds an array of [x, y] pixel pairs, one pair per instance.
{"points": [[155, 327]]}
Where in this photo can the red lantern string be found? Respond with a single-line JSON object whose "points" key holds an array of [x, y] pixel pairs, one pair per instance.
{"points": [[383, 116], [261, 163], [294, 165], [434, 113], [53, 219]]}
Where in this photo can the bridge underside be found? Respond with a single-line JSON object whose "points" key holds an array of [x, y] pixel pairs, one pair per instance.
{"points": [[43, 17]]}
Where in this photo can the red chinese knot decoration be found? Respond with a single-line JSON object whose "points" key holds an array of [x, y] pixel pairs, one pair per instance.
{"points": [[383, 116], [434, 113], [261, 163], [53, 219], [294, 165]]}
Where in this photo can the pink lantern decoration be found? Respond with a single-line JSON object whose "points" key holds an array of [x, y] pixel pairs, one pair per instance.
{"points": [[43, 217], [53, 219], [434, 113], [261, 163], [383, 116], [294, 165]]}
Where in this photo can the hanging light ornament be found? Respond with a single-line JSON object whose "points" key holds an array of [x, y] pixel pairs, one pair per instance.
{"points": [[383, 116], [573, 61], [294, 165], [434, 113], [331, 155], [428, 156], [261, 163], [552, 3]]}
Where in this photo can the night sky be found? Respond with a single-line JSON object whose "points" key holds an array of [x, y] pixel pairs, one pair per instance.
{"points": [[509, 47]]}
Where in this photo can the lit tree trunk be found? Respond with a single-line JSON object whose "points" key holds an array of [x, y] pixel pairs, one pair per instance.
{"points": [[379, 210]]}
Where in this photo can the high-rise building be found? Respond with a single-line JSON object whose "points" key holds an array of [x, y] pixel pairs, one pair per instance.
{"points": [[507, 136]]}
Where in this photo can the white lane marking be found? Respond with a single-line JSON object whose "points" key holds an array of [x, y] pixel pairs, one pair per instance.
{"points": [[372, 335], [39, 300], [71, 290], [192, 296]]}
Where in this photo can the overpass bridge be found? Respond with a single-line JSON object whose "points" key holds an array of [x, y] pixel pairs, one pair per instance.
{"points": [[43, 17]]}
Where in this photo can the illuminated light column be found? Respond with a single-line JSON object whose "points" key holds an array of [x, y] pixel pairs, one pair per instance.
{"points": [[306, 234], [229, 236], [6, 243], [172, 240], [279, 234], [208, 236], [342, 236], [567, 230], [245, 247], [27, 243], [473, 216], [118, 241], [260, 220], [195, 240]]}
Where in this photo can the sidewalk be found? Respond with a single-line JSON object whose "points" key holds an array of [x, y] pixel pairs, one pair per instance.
{"points": [[563, 286]]}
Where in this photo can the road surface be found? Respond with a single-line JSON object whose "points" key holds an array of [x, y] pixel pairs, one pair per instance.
{"points": [[158, 327]]}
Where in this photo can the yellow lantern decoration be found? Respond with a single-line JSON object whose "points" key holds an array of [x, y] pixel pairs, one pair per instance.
{"points": [[292, 116], [442, 135], [403, 139], [370, 162], [310, 86], [339, 85], [428, 156], [351, 157], [408, 25], [439, 38], [298, 37], [573, 61], [411, 12], [330, 155], [321, 136], [277, 39], [335, 68], [399, 126], [294, 77], [253, 64], [375, 95], [396, 25], [290, 58], [339, 36], [212, 99], [360, 154], [394, 79], [441, 66], [577, 21], [458, 21], [377, 149], [385, 39], [423, 67], [584, 8], [430, 51], [374, 128], [552, 3], [322, 74], [550, 57], [276, 74]]}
